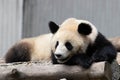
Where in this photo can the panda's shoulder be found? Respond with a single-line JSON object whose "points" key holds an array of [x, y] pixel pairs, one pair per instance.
{"points": [[102, 40]]}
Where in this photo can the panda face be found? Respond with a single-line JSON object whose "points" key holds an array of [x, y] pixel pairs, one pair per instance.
{"points": [[70, 38], [65, 44]]}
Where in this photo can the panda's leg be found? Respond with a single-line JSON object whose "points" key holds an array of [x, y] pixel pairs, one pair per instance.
{"points": [[107, 53], [20, 52], [83, 60]]}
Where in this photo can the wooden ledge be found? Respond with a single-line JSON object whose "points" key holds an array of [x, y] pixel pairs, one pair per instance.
{"points": [[47, 71], [118, 58]]}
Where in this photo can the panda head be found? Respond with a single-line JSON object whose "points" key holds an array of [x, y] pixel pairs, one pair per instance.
{"points": [[71, 37]]}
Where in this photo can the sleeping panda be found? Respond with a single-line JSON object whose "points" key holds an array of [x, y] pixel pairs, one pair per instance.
{"points": [[78, 42], [74, 42]]}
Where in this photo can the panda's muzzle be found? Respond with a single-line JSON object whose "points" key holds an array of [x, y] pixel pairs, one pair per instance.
{"points": [[62, 60]]}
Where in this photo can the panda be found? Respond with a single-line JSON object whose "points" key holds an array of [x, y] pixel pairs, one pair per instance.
{"points": [[74, 42], [78, 42], [30, 49]]}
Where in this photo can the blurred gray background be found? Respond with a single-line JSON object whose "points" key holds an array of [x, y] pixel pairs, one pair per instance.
{"points": [[28, 18]]}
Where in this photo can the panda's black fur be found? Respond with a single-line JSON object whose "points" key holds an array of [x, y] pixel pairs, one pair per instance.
{"points": [[100, 50], [18, 53]]}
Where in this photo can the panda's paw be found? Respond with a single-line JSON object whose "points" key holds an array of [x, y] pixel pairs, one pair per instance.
{"points": [[99, 59], [86, 65]]}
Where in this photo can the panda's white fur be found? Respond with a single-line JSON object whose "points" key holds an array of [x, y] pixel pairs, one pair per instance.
{"points": [[42, 48], [75, 22], [34, 49]]}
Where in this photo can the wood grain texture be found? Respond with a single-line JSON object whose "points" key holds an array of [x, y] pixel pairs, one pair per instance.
{"points": [[45, 71]]}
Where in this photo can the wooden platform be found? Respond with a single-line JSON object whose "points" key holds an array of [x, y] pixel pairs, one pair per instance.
{"points": [[47, 71]]}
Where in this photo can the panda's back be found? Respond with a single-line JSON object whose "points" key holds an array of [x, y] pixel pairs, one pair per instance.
{"points": [[42, 48], [36, 48]]}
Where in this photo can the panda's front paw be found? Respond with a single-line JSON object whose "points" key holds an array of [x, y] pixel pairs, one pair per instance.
{"points": [[99, 58], [86, 65]]}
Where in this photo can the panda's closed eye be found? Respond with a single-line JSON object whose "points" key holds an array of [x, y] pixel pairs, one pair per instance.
{"points": [[68, 45], [56, 44]]}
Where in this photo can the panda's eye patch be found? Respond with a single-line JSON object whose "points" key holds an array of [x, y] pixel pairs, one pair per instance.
{"points": [[56, 44], [68, 45]]}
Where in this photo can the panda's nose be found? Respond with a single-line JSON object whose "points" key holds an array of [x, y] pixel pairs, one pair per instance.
{"points": [[58, 55]]}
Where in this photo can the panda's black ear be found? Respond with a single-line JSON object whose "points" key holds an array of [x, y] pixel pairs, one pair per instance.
{"points": [[53, 27], [84, 28]]}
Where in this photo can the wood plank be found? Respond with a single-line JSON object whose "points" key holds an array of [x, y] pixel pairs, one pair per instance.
{"points": [[45, 71]]}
